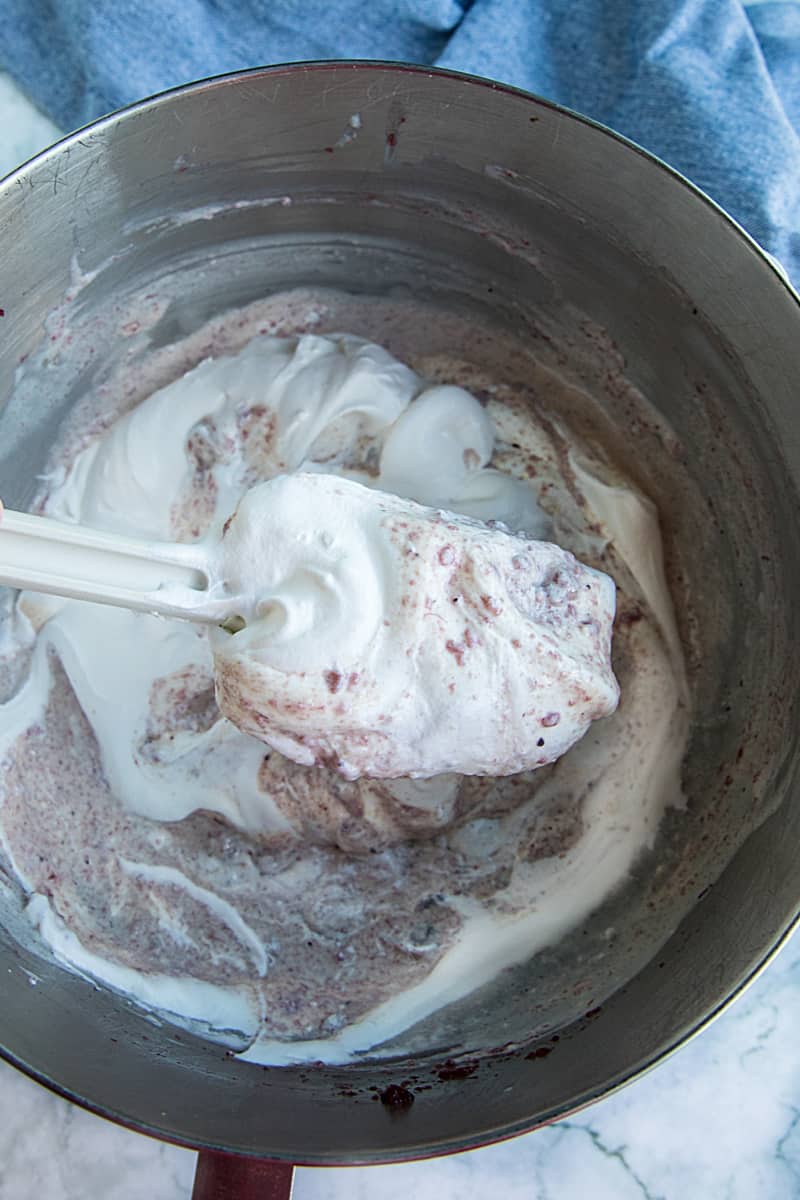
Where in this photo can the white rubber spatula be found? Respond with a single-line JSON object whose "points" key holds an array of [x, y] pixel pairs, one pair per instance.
{"points": [[164, 578]]}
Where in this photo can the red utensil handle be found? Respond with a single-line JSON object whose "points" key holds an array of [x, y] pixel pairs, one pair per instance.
{"points": [[231, 1177]]}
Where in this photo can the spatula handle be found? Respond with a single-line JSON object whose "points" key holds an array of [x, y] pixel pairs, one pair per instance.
{"points": [[43, 555]]}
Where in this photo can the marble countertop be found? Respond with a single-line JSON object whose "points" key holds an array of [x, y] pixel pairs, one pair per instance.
{"points": [[720, 1120]]}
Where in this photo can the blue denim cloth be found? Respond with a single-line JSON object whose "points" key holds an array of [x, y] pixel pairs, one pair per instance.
{"points": [[712, 86]]}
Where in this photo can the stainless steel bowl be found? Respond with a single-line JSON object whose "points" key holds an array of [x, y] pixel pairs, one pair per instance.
{"points": [[379, 178]]}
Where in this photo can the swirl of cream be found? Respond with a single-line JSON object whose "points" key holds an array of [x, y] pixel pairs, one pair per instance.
{"points": [[319, 388], [328, 380], [437, 452]]}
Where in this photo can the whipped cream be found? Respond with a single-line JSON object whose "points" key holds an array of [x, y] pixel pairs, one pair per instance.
{"points": [[308, 915], [386, 639]]}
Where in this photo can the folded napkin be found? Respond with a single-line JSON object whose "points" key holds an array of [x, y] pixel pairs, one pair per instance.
{"points": [[712, 86]]}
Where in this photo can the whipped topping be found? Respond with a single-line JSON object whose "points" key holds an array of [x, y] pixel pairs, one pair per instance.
{"points": [[323, 394], [438, 453], [386, 639], [308, 915]]}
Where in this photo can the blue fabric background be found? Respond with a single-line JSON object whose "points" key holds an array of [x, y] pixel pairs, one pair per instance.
{"points": [[712, 86]]}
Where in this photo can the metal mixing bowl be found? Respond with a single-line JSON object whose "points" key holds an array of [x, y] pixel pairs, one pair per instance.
{"points": [[396, 179]]}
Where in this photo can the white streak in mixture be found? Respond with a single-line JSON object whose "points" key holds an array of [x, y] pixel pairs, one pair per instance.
{"points": [[224, 1010], [219, 908], [630, 521]]}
